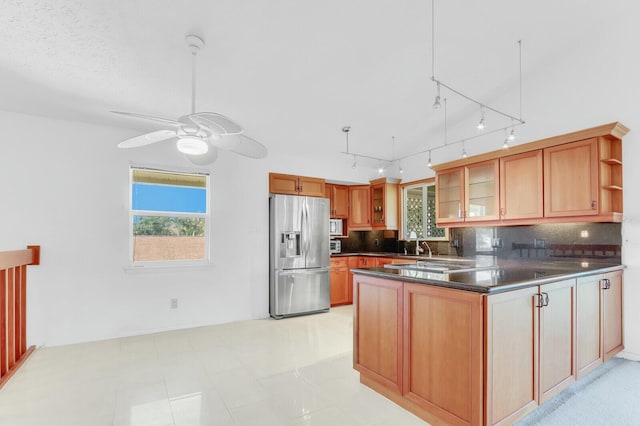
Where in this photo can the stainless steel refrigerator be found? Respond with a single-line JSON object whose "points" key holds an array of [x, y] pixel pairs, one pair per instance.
{"points": [[298, 255]]}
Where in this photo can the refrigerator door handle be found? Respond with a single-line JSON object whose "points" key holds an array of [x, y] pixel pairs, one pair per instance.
{"points": [[308, 222]]}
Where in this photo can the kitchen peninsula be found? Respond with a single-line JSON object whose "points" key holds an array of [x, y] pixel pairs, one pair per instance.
{"points": [[483, 342]]}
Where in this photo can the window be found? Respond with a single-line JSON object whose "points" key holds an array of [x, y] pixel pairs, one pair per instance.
{"points": [[419, 212], [169, 217]]}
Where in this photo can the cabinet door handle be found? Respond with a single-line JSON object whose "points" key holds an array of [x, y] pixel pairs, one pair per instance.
{"points": [[539, 302], [606, 284], [593, 205], [546, 299]]}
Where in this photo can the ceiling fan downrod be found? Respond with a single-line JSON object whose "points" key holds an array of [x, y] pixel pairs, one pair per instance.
{"points": [[194, 43]]}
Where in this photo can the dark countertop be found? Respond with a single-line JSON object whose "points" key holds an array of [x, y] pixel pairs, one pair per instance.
{"points": [[497, 275]]}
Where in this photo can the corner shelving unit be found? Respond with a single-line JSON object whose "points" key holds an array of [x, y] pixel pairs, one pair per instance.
{"points": [[610, 151]]}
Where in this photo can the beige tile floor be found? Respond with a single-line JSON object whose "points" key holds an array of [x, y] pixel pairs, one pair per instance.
{"points": [[292, 372]]}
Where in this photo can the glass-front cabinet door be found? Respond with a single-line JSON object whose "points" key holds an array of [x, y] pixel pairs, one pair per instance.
{"points": [[450, 195], [482, 191]]}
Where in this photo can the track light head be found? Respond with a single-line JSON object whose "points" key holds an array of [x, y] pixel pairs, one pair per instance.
{"points": [[481, 124], [512, 135], [505, 145], [436, 104]]}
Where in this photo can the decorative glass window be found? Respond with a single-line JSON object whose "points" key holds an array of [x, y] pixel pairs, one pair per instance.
{"points": [[169, 217], [419, 212]]}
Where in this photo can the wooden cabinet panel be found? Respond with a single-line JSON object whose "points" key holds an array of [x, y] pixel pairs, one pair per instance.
{"points": [[588, 325], [353, 263], [557, 333], [339, 281], [482, 191], [612, 314], [359, 208], [521, 186], [571, 179], [296, 185], [512, 355], [338, 196], [312, 187], [443, 351], [283, 184], [381, 261], [377, 328]]}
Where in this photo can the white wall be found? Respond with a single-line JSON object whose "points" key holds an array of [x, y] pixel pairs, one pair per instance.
{"points": [[65, 187]]}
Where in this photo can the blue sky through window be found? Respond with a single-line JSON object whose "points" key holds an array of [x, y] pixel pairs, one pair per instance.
{"points": [[168, 198]]}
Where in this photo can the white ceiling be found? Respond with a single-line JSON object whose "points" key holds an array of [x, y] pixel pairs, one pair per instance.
{"points": [[293, 72]]}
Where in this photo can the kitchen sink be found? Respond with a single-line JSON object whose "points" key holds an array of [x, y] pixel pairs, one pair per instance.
{"points": [[438, 267]]}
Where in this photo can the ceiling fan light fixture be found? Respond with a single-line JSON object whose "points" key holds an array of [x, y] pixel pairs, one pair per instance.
{"points": [[192, 145]]}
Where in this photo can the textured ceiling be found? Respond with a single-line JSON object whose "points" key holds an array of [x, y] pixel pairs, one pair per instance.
{"points": [[293, 72]]}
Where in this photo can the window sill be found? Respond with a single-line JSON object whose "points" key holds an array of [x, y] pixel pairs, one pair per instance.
{"points": [[149, 268]]}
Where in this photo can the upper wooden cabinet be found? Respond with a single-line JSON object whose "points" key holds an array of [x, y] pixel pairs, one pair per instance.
{"points": [[338, 196], [384, 204], [481, 191], [296, 185], [521, 186], [359, 208], [450, 195], [571, 177], [469, 193], [584, 178]]}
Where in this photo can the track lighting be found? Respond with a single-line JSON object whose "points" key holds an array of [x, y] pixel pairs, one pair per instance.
{"points": [[505, 145], [481, 123], [464, 151], [355, 164], [380, 170], [429, 162], [436, 104], [512, 135]]}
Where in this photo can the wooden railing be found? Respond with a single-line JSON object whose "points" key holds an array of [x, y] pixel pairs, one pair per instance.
{"points": [[13, 309]]}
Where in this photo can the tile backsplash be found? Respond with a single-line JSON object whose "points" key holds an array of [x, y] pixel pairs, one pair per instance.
{"points": [[592, 240]]}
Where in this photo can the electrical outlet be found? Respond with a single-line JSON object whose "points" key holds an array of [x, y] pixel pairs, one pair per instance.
{"points": [[173, 303]]}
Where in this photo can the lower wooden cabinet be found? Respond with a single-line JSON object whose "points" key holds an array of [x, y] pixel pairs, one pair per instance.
{"points": [[511, 355], [339, 281], [377, 330], [464, 358], [443, 351], [599, 320]]}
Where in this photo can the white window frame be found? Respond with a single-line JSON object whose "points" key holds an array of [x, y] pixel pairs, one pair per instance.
{"points": [[422, 184], [207, 219]]}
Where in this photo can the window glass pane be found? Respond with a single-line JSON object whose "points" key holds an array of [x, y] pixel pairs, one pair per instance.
{"points": [[157, 238], [169, 198]]}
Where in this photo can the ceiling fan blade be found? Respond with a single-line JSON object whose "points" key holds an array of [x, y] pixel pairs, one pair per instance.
{"points": [[217, 123], [150, 118], [243, 145], [205, 159], [148, 138]]}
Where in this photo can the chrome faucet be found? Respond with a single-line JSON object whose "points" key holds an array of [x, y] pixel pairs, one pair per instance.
{"points": [[428, 247]]}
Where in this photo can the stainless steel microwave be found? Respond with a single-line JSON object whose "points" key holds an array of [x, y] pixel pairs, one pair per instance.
{"points": [[335, 246], [335, 226]]}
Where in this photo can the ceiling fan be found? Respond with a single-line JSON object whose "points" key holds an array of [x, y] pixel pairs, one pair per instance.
{"points": [[198, 135]]}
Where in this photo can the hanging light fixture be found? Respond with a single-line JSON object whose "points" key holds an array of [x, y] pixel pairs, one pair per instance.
{"points": [[464, 151], [429, 162], [512, 135], [355, 163], [436, 104], [481, 123]]}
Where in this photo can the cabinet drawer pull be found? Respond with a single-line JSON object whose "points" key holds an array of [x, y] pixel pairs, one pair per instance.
{"points": [[606, 284], [593, 205]]}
